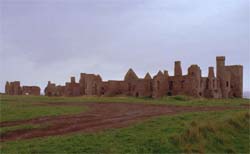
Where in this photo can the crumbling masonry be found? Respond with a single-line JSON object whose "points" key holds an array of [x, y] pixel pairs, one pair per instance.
{"points": [[227, 83], [15, 88]]}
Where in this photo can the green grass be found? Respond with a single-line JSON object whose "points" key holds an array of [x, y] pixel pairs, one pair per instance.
{"points": [[153, 136], [198, 132], [19, 108], [25, 107], [228, 136], [171, 100], [4, 130]]}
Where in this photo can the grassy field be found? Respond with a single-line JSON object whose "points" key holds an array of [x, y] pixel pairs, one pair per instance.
{"points": [[25, 107], [199, 132]]}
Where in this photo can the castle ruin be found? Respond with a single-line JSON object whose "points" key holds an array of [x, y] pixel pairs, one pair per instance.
{"points": [[227, 83]]}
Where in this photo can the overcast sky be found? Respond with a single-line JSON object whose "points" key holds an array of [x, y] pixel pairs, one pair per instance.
{"points": [[43, 40]]}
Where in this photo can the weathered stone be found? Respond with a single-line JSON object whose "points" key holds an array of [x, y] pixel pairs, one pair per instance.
{"points": [[15, 88], [227, 83]]}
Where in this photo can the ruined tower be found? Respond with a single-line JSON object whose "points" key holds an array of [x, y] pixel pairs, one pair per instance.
{"points": [[223, 76]]}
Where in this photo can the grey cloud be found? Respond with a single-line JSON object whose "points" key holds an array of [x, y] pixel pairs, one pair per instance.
{"points": [[53, 39]]}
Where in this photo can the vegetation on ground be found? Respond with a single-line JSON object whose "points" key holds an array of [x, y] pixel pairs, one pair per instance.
{"points": [[198, 132], [225, 133], [228, 136], [26, 107], [4, 130], [21, 108], [171, 100]]}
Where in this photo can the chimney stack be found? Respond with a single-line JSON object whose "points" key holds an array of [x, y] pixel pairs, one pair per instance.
{"points": [[211, 72], [73, 79], [177, 69]]}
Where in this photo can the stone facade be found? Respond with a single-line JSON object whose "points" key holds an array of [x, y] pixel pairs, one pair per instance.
{"points": [[228, 82], [15, 88]]}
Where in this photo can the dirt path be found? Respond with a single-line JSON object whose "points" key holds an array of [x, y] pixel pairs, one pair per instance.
{"points": [[100, 116]]}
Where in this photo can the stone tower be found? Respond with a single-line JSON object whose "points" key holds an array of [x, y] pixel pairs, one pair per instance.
{"points": [[223, 76]]}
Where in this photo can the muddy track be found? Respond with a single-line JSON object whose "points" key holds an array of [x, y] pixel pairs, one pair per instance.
{"points": [[100, 116]]}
